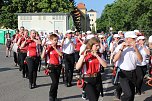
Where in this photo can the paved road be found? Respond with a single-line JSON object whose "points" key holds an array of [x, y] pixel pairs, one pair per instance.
{"points": [[14, 88]]}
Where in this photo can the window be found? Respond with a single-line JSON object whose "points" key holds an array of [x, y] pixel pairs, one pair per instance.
{"points": [[26, 17], [39, 17], [57, 17], [53, 17], [44, 17], [91, 14], [62, 17]]}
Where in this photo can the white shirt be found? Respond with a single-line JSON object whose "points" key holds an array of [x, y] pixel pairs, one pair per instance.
{"points": [[143, 54], [128, 58], [68, 47], [113, 45], [82, 49]]}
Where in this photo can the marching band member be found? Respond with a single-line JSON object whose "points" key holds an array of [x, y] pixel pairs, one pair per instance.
{"points": [[54, 64], [17, 37], [79, 42], [141, 66], [23, 53], [89, 62], [32, 57], [127, 55], [68, 46]]}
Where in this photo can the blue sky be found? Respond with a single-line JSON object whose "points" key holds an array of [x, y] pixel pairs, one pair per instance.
{"points": [[97, 5]]}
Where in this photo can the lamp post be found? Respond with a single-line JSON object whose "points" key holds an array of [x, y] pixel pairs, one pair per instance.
{"points": [[110, 30]]}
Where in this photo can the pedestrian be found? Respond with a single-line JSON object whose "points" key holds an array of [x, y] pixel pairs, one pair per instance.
{"points": [[32, 57], [53, 51], [13, 41], [68, 47], [127, 55], [89, 62], [8, 44]]}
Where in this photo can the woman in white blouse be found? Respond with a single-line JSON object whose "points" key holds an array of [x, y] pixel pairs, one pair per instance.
{"points": [[141, 66]]}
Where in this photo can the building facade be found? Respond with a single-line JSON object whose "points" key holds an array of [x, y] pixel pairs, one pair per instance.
{"points": [[92, 18], [89, 17], [45, 22]]}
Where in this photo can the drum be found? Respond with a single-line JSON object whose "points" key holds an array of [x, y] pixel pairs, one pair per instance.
{"points": [[14, 47]]}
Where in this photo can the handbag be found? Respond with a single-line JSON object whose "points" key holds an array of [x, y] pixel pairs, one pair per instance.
{"points": [[15, 47]]}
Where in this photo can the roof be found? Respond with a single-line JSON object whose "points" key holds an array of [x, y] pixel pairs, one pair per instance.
{"points": [[91, 10], [81, 6], [42, 14]]}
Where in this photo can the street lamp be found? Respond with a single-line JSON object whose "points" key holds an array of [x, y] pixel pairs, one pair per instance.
{"points": [[110, 30]]}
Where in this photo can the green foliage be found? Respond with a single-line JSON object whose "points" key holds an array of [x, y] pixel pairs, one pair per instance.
{"points": [[93, 30], [8, 8], [126, 15]]}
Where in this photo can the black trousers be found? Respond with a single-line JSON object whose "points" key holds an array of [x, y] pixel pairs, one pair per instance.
{"points": [[127, 82], [19, 60], [140, 73], [69, 67], [55, 72], [76, 56], [22, 64], [15, 57], [32, 63], [93, 87]]}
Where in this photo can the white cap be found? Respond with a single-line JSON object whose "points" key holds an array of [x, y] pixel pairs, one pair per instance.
{"points": [[130, 34], [90, 36], [136, 31], [119, 32], [83, 33], [101, 36], [116, 36], [69, 31], [88, 32], [150, 39], [140, 37]]}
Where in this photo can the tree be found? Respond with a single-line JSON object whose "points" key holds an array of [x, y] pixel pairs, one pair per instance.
{"points": [[126, 15], [8, 8]]}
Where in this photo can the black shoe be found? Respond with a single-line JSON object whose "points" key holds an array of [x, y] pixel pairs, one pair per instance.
{"points": [[69, 84], [116, 94], [26, 76], [34, 85], [20, 69], [138, 92], [51, 99], [84, 97], [23, 76], [16, 65], [57, 99]]}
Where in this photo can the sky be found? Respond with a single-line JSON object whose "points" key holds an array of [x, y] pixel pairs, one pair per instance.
{"points": [[97, 5]]}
